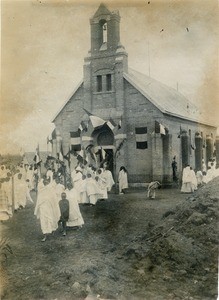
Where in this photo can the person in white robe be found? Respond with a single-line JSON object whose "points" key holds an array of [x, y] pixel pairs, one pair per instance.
{"points": [[59, 189], [49, 175], [102, 182], [75, 217], [193, 179], [7, 186], [30, 176], [123, 180], [93, 190], [82, 189], [204, 168], [199, 177], [20, 189], [211, 174], [187, 181], [47, 209], [77, 178], [28, 189], [109, 178], [5, 207], [78, 183]]}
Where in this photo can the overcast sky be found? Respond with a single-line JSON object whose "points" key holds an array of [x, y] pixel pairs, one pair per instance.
{"points": [[44, 43]]}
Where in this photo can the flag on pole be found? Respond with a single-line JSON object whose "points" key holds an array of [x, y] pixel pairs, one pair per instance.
{"points": [[117, 152], [111, 124], [141, 137], [75, 140], [120, 136], [36, 158], [120, 123], [95, 121], [159, 128], [103, 153], [49, 139], [53, 135], [49, 143], [82, 127], [67, 157], [180, 132], [91, 150], [60, 155]]}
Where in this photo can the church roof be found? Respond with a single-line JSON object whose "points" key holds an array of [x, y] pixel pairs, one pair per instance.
{"points": [[165, 98], [168, 100], [68, 99], [102, 10]]}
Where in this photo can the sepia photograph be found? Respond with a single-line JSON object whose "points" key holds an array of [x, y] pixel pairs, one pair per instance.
{"points": [[109, 150]]}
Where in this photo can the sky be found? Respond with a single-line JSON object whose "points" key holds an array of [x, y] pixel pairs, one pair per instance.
{"points": [[44, 43]]}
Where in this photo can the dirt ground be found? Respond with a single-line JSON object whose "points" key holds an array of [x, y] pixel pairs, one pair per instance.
{"points": [[129, 248]]}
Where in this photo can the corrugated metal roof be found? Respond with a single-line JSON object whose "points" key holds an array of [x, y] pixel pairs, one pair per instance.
{"points": [[165, 98]]}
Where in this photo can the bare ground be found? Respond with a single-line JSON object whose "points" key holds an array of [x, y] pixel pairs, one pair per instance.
{"points": [[129, 248]]}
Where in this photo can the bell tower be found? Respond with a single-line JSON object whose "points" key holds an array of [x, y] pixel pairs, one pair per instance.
{"points": [[105, 63]]}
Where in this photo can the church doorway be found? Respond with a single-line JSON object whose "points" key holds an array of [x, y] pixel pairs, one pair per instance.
{"points": [[104, 139]]}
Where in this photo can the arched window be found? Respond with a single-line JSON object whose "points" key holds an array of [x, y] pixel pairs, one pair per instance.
{"points": [[103, 136], [104, 27]]}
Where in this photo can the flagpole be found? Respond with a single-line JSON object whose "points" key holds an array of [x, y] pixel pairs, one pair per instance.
{"points": [[114, 168], [149, 64]]}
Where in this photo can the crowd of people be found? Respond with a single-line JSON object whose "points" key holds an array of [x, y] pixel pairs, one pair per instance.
{"points": [[191, 180], [58, 200], [14, 184]]}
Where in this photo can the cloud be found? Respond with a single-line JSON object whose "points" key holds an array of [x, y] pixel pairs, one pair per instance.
{"points": [[44, 45]]}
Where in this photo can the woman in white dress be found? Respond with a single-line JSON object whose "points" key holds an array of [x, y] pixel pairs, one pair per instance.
{"points": [[75, 217]]}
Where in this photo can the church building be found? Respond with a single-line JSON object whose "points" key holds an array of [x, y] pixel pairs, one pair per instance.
{"points": [[129, 118]]}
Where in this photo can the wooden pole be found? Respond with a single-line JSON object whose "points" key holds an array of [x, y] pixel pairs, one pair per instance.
{"points": [[12, 186], [114, 167]]}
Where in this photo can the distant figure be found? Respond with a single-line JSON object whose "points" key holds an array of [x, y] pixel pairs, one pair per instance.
{"points": [[107, 174], [28, 189], [49, 174], [174, 168], [123, 180], [199, 177], [64, 209], [152, 189], [193, 179], [102, 182], [187, 186], [20, 189], [93, 191], [204, 168], [5, 210]]}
